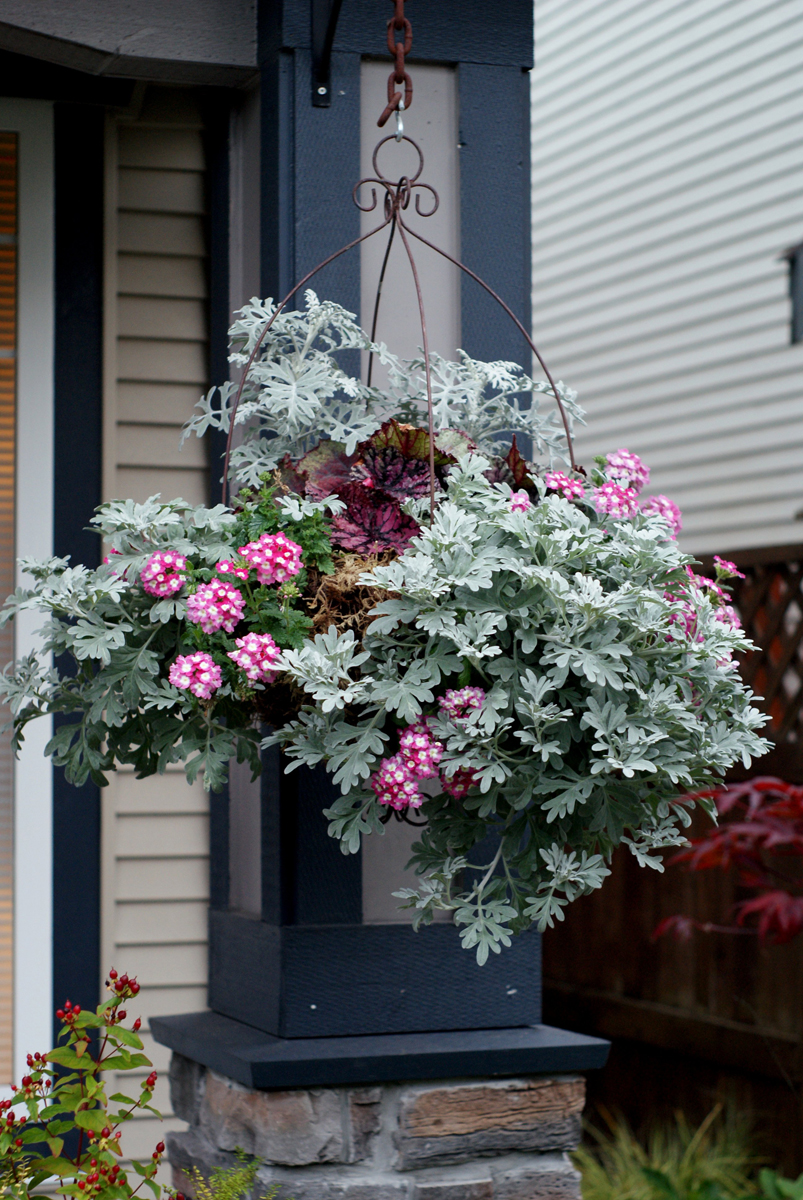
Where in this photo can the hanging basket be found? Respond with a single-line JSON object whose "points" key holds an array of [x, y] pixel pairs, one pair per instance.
{"points": [[419, 587]]}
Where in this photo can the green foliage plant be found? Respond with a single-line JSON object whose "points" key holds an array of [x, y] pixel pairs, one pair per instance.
{"points": [[231, 1183], [61, 1131], [595, 670], [678, 1162]]}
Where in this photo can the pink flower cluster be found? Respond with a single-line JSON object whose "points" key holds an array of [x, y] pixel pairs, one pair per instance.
{"points": [[395, 784], [419, 756], [420, 751], [226, 567], [216, 605], [616, 500], [256, 655], [519, 502], [198, 673], [559, 481], [459, 784], [665, 508], [727, 569], [274, 557], [627, 469], [456, 704], [161, 576]]}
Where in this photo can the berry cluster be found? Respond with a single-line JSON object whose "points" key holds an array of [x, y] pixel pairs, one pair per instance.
{"points": [[273, 556], [162, 574], [216, 605], [198, 673], [519, 502], [256, 655], [559, 481]]}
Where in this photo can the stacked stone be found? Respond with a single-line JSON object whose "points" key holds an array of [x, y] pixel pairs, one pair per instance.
{"points": [[457, 1140]]}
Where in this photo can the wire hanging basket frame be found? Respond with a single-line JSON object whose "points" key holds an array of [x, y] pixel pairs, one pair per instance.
{"points": [[397, 198]]}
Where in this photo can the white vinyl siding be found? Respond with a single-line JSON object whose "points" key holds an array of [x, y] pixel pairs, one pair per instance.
{"points": [[155, 831], [667, 182]]}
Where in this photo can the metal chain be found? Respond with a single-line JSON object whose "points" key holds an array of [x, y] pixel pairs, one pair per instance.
{"points": [[398, 48]]}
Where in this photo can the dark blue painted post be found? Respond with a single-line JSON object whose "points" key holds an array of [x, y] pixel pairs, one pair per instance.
{"points": [[337, 1000]]}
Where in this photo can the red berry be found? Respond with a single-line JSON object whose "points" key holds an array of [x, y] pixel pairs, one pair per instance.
{"points": [[93, 1162], [77, 1009], [112, 974], [60, 1013], [81, 1184], [160, 1146], [180, 1196], [67, 1004], [17, 1141], [123, 979], [122, 1014], [137, 1024], [134, 987], [105, 1131], [23, 1118]]}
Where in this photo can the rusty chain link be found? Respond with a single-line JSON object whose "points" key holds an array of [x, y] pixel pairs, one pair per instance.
{"points": [[398, 48]]}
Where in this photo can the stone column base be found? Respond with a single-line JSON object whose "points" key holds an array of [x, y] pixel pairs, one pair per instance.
{"points": [[453, 1140]]}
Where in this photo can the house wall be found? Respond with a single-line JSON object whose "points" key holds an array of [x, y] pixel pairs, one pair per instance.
{"points": [[155, 831], [666, 182]]}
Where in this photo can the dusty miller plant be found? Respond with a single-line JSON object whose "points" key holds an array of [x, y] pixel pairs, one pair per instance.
{"points": [[540, 665]]}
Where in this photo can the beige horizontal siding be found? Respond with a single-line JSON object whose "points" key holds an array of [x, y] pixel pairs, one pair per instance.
{"points": [[667, 174], [155, 831]]}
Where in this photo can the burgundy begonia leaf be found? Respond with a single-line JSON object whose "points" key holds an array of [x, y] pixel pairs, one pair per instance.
{"points": [[327, 467], [372, 523], [392, 473], [409, 441], [519, 466], [513, 469]]}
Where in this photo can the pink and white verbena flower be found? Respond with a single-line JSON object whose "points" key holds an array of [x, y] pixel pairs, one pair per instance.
{"points": [[162, 574], [665, 508], [273, 556], [216, 605], [256, 655], [724, 567], [395, 785], [615, 500], [420, 751], [227, 567], [197, 673], [457, 703], [559, 481], [520, 502], [627, 469], [459, 784]]}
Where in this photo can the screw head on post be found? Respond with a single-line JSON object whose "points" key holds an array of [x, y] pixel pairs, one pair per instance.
{"points": [[322, 91]]}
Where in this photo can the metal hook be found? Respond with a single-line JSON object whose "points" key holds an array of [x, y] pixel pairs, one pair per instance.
{"points": [[400, 120]]}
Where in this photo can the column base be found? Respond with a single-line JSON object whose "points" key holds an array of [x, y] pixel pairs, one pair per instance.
{"points": [[458, 1139], [259, 1060]]}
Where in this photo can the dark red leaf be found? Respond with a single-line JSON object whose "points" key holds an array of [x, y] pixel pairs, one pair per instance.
{"points": [[780, 915], [513, 469], [409, 441], [327, 468], [392, 473], [372, 522]]}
